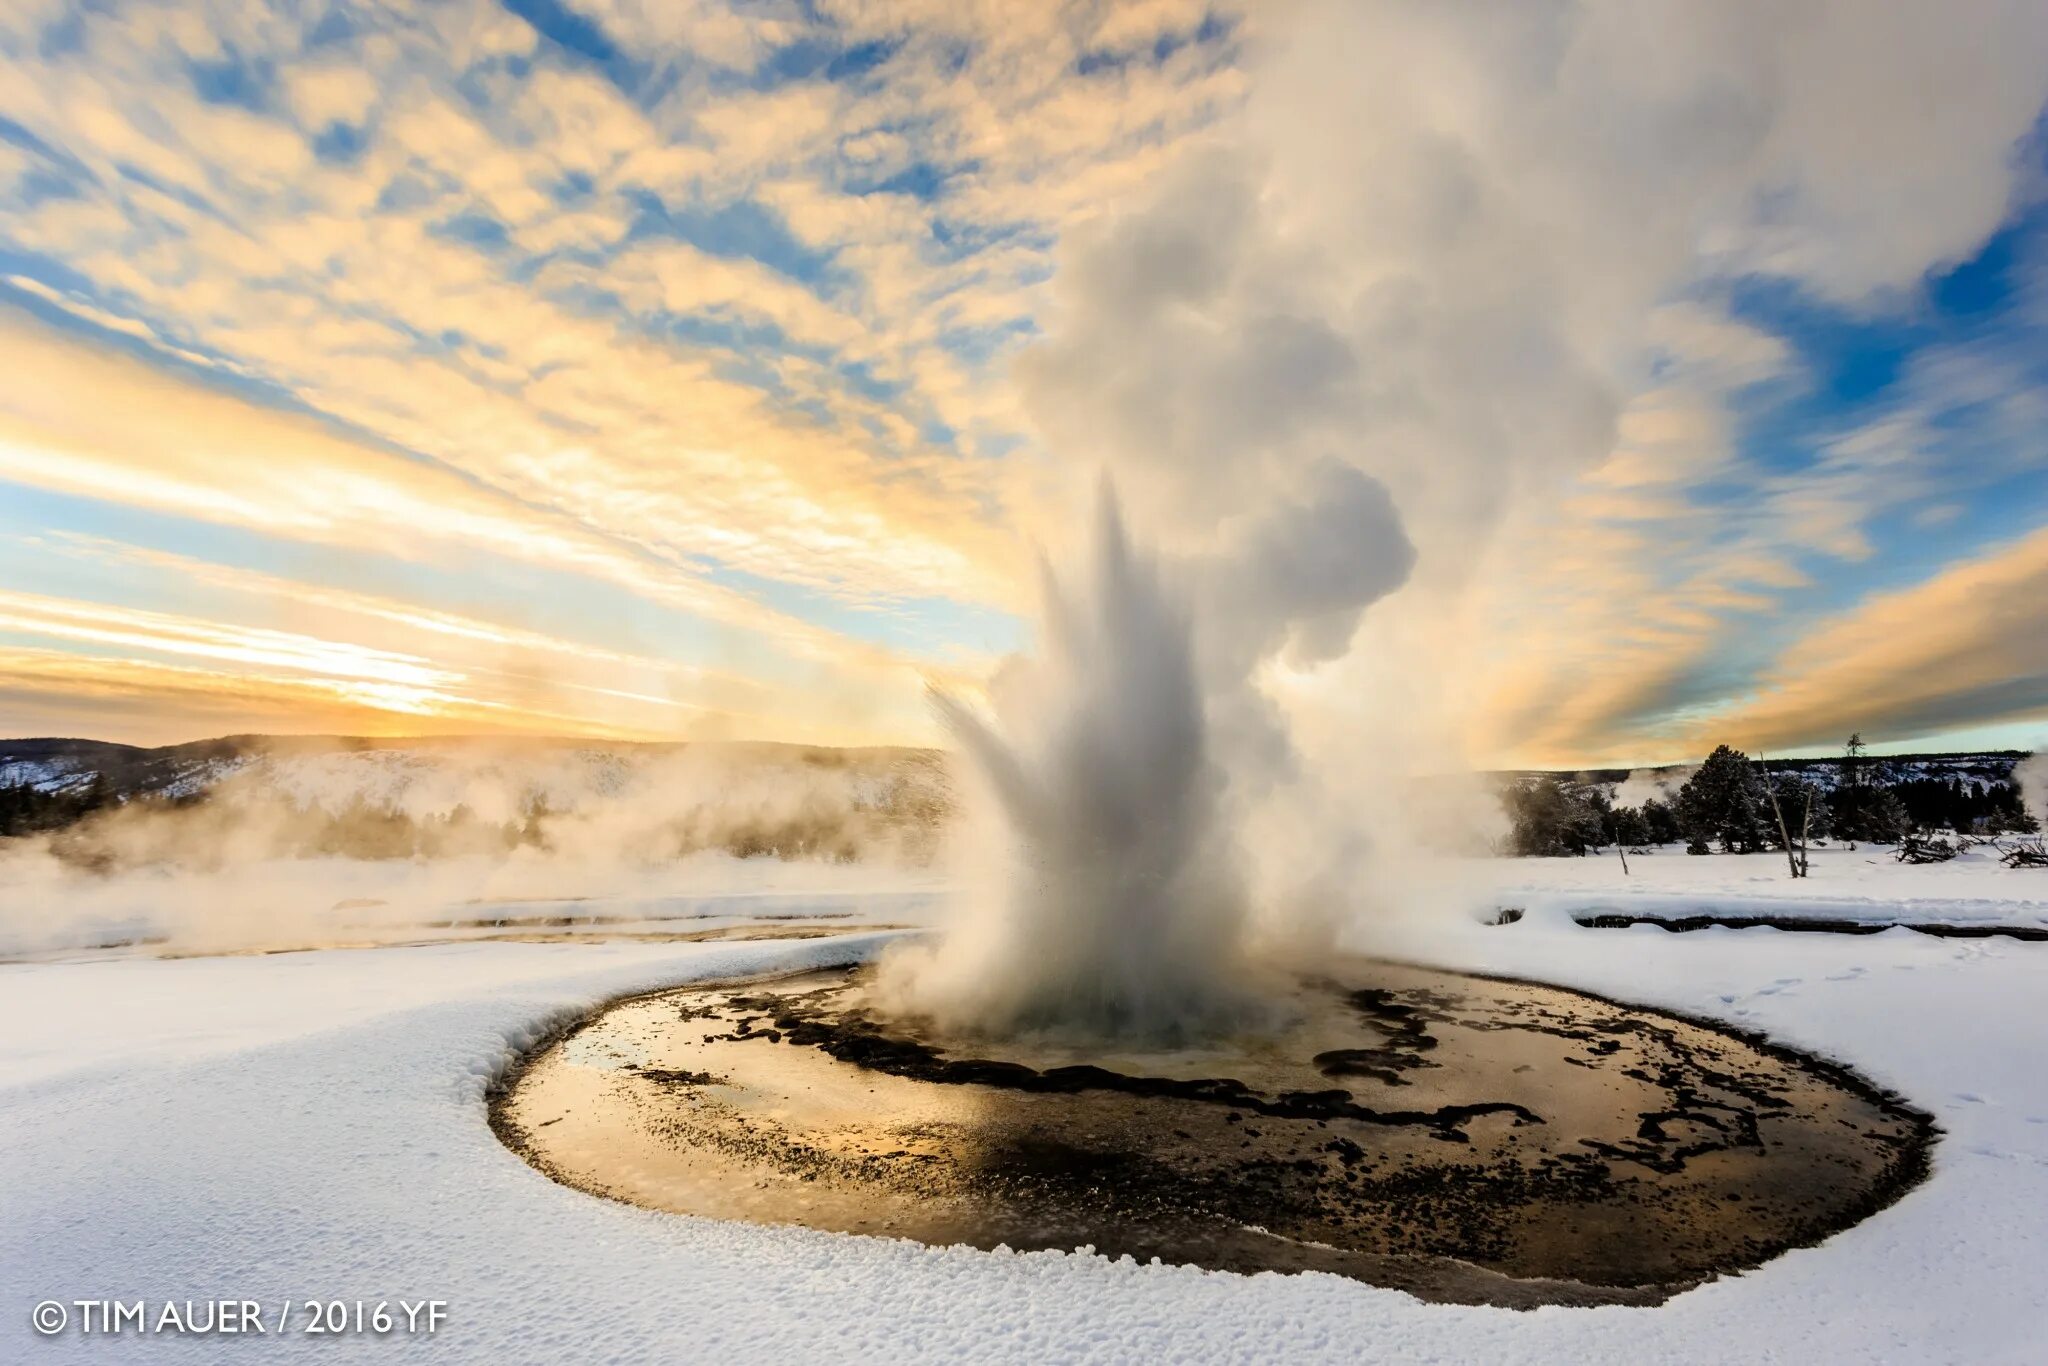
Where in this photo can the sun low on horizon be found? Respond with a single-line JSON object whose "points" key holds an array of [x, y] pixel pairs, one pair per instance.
{"points": [[1056, 682], [701, 370]]}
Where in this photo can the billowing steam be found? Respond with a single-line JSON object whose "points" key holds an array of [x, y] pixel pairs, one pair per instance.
{"points": [[1128, 763], [1652, 784], [1471, 261], [1447, 252], [1478, 251], [303, 845]]}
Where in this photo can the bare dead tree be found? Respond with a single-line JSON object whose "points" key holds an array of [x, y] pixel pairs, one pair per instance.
{"points": [[1926, 849], [1795, 859], [1805, 829], [2026, 853]]}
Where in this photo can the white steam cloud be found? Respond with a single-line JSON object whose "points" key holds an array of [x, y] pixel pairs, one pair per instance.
{"points": [[301, 846], [2031, 773], [1430, 273], [1446, 249], [1652, 784]]}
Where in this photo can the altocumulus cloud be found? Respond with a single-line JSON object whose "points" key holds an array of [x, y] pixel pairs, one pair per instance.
{"points": [[1546, 375]]}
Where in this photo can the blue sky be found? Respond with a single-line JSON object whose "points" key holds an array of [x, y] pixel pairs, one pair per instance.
{"points": [[649, 370]]}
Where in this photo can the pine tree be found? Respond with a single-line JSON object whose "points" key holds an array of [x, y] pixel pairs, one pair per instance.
{"points": [[1626, 826], [1547, 817], [96, 797], [1659, 822], [1724, 803], [1870, 812], [1851, 765], [1886, 819]]}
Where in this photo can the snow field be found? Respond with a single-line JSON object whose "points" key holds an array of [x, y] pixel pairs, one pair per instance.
{"points": [[313, 1125]]}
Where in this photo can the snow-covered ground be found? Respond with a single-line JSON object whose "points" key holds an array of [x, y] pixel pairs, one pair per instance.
{"points": [[1865, 884], [51, 911], [312, 1125]]}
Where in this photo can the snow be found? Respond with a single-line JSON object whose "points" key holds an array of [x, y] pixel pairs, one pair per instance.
{"points": [[44, 775], [1976, 771], [200, 776], [313, 1124], [1866, 884], [48, 909]]}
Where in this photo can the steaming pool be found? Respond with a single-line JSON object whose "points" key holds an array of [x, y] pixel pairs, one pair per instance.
{"points": [[1466, 1139]]}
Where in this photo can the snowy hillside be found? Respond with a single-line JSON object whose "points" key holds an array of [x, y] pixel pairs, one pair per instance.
{"points": [[1981, 771], [417, 776], [505, 779]]}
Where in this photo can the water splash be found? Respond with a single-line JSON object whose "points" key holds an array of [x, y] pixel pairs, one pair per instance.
{"points": [[1102, 895]]}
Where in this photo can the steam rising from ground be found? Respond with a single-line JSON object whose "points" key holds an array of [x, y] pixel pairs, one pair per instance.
{"points": [[1103, 895], [1456, 257], [1652, 784], [2031, 773], [303, 846]]}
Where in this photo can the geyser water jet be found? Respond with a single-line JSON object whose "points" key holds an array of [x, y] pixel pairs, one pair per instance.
{"points": [[1102, 895]]}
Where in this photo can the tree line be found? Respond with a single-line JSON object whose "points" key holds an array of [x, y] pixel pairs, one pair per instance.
{"points": [[1734, 805], [28, 810]]}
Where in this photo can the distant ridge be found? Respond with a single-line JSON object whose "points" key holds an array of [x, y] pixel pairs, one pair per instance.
{"points": [[58, 764], [1934, 759], [63, 764]]}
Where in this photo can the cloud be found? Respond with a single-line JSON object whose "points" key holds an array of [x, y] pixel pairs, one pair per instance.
{"points": [[568, 285], [1967, 647], [89, 424], [721, 305], [323, 94], [56, 692], [395, 664]]}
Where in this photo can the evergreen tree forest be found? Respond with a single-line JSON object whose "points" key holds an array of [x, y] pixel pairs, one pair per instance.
{"points": [[1726, 807]]}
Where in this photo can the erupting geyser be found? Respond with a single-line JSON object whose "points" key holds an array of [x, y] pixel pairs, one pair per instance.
{"points": [[1104, 898], [1082, 1059]]}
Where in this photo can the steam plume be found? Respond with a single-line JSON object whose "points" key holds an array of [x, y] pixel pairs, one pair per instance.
{"points": [[2031, 773], [1465, 255]]}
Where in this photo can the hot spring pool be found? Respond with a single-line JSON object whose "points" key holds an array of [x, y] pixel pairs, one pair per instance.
{"points": [[1463, 1138]]}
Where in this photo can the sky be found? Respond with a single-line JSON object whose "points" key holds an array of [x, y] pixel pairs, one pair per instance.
{"points": [[686, 369]]}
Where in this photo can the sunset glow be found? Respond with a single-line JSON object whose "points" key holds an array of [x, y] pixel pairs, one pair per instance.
{"points": [[663, 371]]}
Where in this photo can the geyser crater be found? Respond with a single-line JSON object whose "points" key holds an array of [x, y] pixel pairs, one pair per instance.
{"points": [[1092, 1054], [1466, 1139]]}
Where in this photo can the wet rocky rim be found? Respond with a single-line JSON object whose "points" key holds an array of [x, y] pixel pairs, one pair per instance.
{"points": [[1718, 1170]]}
